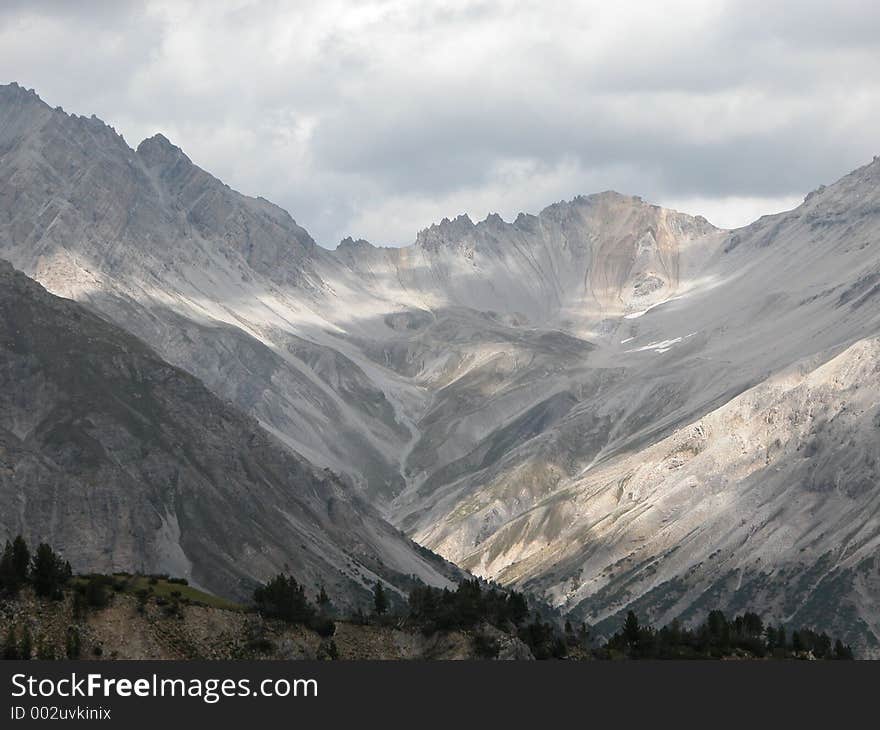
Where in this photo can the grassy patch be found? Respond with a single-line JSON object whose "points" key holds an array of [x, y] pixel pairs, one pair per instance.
{"points": [[162, 587]]}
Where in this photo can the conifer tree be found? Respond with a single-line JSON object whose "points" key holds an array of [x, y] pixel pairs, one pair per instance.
{"points": [[323, 600], [631, 628], [781, 639], [842, 651], [8, 576], [517, 607], [583, 635], [49, 573], [380, 600], [771, 638], [21, 559], [284, 598]]}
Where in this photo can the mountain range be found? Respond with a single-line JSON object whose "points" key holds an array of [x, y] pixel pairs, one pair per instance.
{"points": [[608, 404]]}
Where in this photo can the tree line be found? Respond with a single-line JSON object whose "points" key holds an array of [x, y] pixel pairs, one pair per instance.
{"points": [[718, 636], [431, 608], [46, 572], [468, 607], [471, 606]]}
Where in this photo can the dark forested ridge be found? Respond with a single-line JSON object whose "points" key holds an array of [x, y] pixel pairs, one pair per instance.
{"points": [[745, 636], [474, 607], [476, 620]]}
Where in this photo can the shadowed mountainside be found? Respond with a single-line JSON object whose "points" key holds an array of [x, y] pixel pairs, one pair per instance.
{"points": [[125, 462]]}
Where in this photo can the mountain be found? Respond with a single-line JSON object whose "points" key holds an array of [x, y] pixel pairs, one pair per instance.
{"points": [[125, 462], [714, 448], [728, 445], [608, 403], [201, 273]]}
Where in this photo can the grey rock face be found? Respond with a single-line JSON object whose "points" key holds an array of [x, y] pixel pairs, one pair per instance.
{"points": [[124, 462], [609, 403], [177, 257]]}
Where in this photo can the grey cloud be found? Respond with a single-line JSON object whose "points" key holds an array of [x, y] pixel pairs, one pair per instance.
{"points": [[345, 112]]}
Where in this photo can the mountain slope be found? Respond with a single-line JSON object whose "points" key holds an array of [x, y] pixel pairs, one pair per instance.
{"points": [[175, 256], [125, 462], [769, 500], [793, 288], [786, 288], [485, 386]]}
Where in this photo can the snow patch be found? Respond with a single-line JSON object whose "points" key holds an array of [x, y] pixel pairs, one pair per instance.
{"points": [[641, 312], [663, 345]]}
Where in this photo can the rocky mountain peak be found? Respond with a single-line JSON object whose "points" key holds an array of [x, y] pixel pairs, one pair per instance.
{"points": [[494, 219], [20, 109], [14, 90], [446, 231], [158, 151], [350, 244]]}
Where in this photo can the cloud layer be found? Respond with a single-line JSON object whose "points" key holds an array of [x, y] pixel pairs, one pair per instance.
{"points": [[373, 119]]}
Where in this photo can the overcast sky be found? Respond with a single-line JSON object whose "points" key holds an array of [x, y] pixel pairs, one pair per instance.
{"points": [[374, 119]]}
